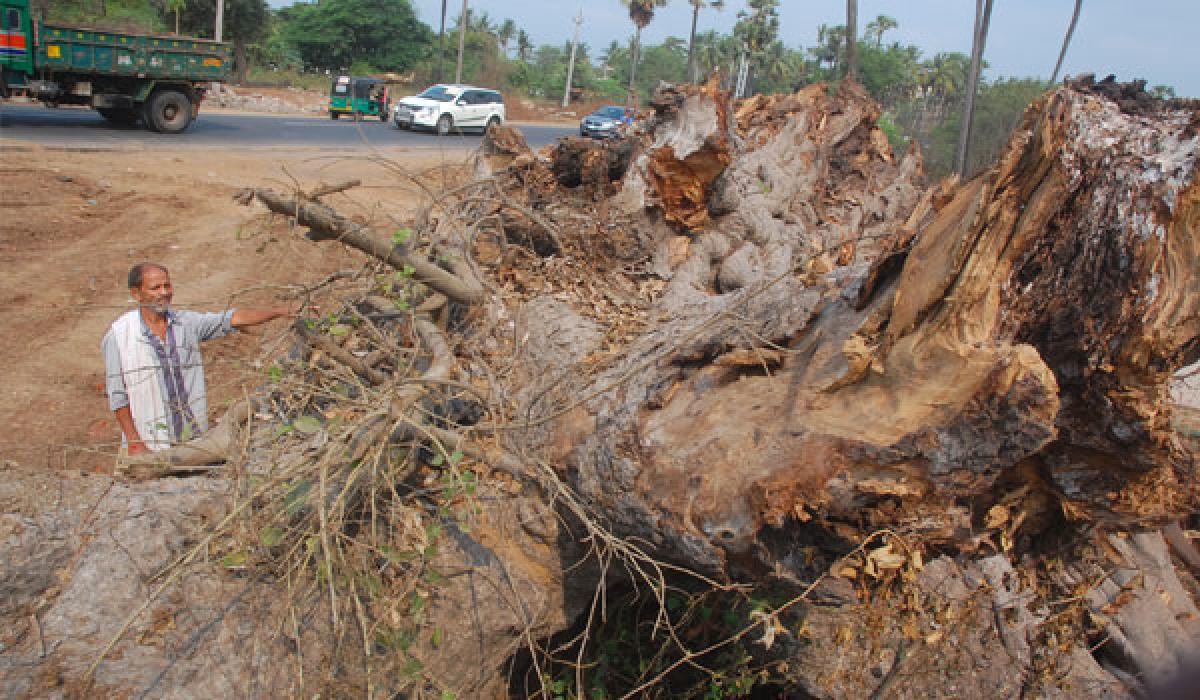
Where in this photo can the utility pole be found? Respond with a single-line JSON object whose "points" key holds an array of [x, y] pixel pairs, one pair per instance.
{"points": [[983, 15], [441, 44], [220, 19], [462, 40], [571, 65]]}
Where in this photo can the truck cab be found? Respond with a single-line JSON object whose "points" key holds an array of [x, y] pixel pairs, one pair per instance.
{"points": [[128, 78]]}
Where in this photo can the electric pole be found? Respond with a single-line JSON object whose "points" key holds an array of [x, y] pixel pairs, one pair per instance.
{"points": [[220, 19], [441, 44], [462, 39], [571, 64]]}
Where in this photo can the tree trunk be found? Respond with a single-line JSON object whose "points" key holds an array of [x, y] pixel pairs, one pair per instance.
{"points": [[769, 362], [1062, 54], [983, 15], [240, 61], [633, 63]]}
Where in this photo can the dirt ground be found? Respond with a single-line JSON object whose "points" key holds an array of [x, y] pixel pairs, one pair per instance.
{"points": [[71, 225]]}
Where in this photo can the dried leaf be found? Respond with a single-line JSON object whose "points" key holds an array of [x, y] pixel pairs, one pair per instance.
{"points": [[307, 424], [885, 558], [997, 516]]}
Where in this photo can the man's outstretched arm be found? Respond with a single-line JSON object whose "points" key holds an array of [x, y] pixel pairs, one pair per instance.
{"points": [[247, 318]]}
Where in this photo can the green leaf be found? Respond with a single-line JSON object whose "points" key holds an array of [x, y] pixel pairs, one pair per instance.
{"points": [[408, 270], [401, 236], [448, 695], [307, 424], [338, 330], [275, 373], [456, 457], [396, 556], [412, 668], [438, 460], [270, 536], [436, 639], [297, 497], [236, 560]]}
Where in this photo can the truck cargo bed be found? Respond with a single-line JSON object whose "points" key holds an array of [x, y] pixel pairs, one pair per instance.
{"points": [[69, 50]]}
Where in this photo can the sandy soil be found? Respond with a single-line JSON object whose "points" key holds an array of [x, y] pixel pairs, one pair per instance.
{"points": [[72, 223]]}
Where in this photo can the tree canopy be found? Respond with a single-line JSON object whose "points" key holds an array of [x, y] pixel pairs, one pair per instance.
{"points": [[335, 34]]}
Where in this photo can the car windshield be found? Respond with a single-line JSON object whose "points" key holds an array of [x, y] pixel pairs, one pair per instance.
{"points": [[441, 93], [609, 112]]}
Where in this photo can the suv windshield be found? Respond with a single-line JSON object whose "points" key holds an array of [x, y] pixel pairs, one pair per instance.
{"points": [[609, 112], [440, 93]]}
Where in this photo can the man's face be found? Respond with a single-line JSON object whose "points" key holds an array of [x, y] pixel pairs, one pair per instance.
{"points": [[156, 290]]}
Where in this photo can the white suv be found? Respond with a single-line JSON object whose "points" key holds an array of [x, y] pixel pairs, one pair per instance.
{"points": [[444, 108]]}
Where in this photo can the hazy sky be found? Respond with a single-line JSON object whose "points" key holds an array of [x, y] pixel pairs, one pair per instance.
{"points": [[1151, 39]]}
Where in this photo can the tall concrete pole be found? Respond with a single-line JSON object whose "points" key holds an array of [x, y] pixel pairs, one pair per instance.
{"points": [[462, 42], [220, 19], [571, 65]]}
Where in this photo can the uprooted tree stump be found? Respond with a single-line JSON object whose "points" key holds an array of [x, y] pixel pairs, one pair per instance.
{"points": [[927, 426]]}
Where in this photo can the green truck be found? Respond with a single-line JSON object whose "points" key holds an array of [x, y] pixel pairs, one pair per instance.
{"points": [[157, 80]]}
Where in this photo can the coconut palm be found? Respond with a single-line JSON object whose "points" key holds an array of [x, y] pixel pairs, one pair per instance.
{"points": [[698, 5], [506, 33], [640, 12], [524, 45], [877, 27], [1066, 41]]}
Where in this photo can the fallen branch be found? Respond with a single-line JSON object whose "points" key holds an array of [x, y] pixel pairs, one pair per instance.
{"points": [[325, 224]]}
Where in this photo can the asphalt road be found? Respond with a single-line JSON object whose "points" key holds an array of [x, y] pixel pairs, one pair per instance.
{"points": [[74, 127]]}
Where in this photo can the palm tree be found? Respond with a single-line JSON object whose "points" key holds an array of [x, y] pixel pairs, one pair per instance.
{"points": [[829, 46], [983, 16], [640, 12], [877, 27], [1066, 41], [524, 45], [505, 34], [852, 40], [697, 5]]}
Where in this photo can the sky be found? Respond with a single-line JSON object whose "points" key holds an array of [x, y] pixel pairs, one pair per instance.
{"points": [[1150, 39]]}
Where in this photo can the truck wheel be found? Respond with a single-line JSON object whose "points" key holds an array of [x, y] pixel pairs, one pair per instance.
{"points": [[444, 124], [119, 116], [334, 115], [168, 112]]}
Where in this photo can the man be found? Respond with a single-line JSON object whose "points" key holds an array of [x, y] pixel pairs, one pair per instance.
{"points": [[155, 374]]}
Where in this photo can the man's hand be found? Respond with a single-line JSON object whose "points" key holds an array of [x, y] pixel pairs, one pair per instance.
{"points": [[137, 448]]}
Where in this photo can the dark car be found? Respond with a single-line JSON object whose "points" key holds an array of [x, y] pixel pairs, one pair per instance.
{"points": [[606, 122]]}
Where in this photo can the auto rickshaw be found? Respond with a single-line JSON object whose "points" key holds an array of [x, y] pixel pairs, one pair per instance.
{"points": [[359, 97]]}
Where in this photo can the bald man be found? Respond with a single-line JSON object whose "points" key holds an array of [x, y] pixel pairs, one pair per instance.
{"points": [[155, 374]]}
